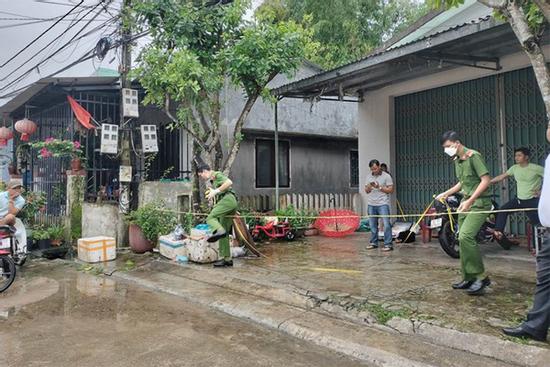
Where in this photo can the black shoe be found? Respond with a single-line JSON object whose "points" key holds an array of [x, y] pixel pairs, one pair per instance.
{"points": [[223, 263], [217, 235], [465, 284], [478, 286], [518, 332]]}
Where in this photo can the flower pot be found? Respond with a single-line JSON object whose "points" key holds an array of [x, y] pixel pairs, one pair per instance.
{"points": [[138, 243], [56, 242], [76, 164]]}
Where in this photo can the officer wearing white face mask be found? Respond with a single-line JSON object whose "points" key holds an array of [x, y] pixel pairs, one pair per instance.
{"points": [[473, 181]]}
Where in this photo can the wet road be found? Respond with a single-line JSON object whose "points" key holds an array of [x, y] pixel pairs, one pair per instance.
{"points": [[57, 316]]}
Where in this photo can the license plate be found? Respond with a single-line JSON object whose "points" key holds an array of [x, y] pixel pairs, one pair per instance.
{"points": [[5, 243], [436, 223]]}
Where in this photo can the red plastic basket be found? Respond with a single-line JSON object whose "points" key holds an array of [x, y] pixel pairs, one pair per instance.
{"points": [[337, 222]]}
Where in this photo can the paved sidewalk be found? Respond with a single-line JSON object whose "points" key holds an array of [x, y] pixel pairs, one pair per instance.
{"points": [[415, 278]]}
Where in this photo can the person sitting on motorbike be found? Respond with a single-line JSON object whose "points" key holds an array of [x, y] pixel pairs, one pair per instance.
{"points": [[528, 177], [11, 202]]}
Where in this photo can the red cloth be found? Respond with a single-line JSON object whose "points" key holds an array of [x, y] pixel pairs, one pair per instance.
{"points": [[80, 113]]}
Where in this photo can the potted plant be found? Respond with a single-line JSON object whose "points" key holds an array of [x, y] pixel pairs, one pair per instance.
{"points": [[42, 237], [56, 235], [52, 147], [147, 223]]}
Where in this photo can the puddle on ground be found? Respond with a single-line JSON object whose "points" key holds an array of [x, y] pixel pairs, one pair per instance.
{"points": [[97, 321]]}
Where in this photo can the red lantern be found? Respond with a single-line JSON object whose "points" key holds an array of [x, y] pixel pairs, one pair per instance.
{"points": [[5, 135], [26, 127]]}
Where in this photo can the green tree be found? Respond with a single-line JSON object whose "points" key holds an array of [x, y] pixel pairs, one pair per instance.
{"points": [[346, 30], [528, 19], [197, 48]]}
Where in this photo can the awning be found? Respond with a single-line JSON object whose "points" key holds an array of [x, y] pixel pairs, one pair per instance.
{"points": [[477, 44]]}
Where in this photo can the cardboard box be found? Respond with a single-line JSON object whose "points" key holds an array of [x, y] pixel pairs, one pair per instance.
{"points": [[171, 249], [96, 249]]}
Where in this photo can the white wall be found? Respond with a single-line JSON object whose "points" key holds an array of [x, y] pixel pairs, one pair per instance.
{"points": [[375, 118]]}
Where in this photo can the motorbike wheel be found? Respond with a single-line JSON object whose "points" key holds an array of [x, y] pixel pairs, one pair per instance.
{"points": [[448, 241], [290, 235], [7, 272]]}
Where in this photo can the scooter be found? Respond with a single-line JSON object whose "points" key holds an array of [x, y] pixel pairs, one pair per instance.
{"points": [[273, 230], [447, 223]]}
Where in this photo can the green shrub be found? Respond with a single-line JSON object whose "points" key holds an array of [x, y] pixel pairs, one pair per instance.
{"points": [[56, 233], [40, 233], [296, 217], [153, 220]]}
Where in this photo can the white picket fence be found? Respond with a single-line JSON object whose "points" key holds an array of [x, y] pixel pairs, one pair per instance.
{"points": [[309, 202]]}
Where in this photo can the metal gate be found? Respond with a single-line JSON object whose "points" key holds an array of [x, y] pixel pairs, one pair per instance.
{"points": [[422, 169], [493, 115], [525, 126]]}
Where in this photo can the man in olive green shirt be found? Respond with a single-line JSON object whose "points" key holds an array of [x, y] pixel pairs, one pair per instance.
{"points": [[528, 177], [220, 218], [473, 181]]}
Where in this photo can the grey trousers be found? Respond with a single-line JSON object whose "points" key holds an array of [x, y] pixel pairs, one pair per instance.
{"points": [[538, 319]]}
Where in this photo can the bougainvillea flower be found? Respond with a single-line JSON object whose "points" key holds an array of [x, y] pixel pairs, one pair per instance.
{"points": [[45, 153]]}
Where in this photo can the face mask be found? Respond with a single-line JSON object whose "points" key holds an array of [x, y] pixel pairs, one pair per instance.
{"points": [[451, 151]]}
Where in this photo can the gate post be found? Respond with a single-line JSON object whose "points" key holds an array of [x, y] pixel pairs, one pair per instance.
{"points": [[75, 198]]}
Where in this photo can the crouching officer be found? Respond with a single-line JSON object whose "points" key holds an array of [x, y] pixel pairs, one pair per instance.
{"points": [[220, 218], [473, 181]]}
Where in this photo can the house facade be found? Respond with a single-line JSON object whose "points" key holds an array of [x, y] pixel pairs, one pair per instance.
{"points": [[462, 70], [317, 144]]}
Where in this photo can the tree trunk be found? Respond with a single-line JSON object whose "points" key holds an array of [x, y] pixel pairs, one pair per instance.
{"points": [[237, 133], [196, 194], [544, 6], [518, 22]]}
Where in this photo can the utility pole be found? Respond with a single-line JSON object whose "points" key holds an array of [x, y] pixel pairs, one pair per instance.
{"points": [[125, 136]]}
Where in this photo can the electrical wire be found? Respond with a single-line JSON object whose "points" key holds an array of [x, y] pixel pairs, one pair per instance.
{"points": [[42, 20], [40, 35], [85, 57], [74, 37]]}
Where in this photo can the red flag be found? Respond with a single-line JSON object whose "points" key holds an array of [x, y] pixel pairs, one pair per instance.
{"points": [[80, 113]]}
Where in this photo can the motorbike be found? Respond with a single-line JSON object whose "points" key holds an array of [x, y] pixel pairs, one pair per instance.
{"points": [[273, 230], [446, 222]]}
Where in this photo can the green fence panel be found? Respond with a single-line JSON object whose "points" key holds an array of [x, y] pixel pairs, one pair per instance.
{"points": [[525, 126], [422, 168]]}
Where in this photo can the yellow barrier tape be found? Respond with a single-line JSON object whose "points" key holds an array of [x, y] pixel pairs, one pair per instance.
{"points": [[419, 219], [260, 215]]}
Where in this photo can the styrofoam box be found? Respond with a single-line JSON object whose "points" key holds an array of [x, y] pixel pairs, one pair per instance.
{"points": [[199, 232], [202, 251], [96, 249], [171, 249]]}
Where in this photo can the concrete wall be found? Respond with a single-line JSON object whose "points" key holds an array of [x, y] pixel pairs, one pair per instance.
{"points": [[317, 165], [375, 118], [171, 193], [325, 118], [100, 220]]}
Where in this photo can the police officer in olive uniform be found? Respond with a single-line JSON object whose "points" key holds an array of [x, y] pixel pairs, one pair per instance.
{"points": [[473, 181], [220, 218]]}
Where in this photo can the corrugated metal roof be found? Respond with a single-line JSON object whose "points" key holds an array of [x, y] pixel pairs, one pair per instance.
{"points": [[470, 10], [485, 20], [37, 87]]}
